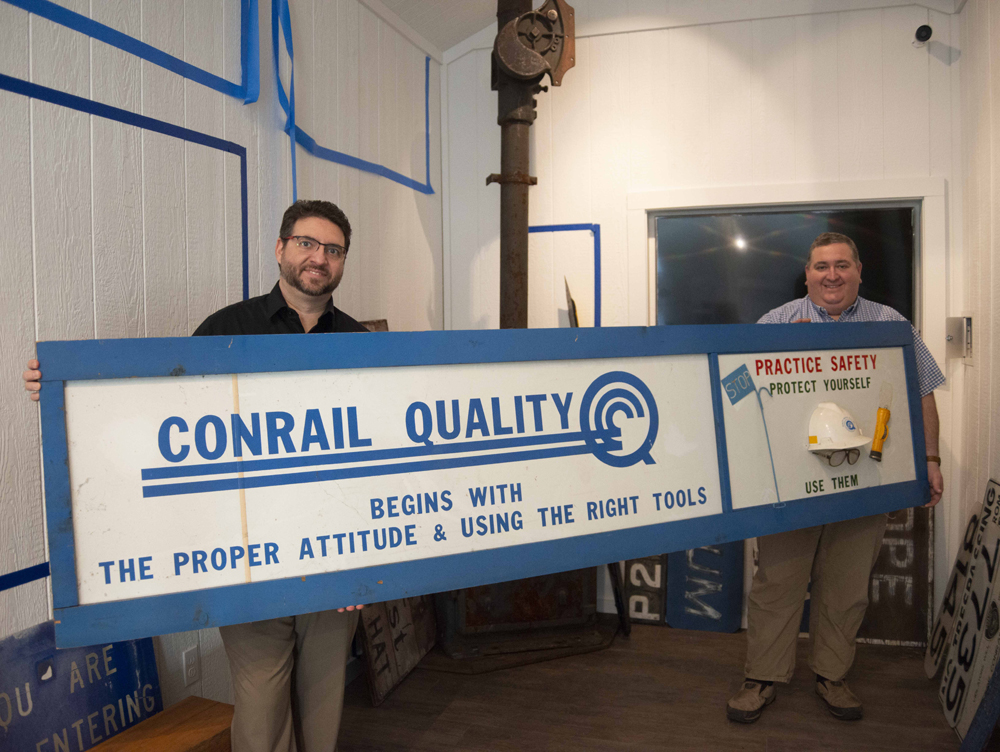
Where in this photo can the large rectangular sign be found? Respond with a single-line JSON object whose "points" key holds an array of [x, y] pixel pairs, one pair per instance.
{"points": [[255, 477], [206, 481]]}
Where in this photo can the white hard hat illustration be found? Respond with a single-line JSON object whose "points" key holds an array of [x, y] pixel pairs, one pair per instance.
{"points": [[832, 427]]}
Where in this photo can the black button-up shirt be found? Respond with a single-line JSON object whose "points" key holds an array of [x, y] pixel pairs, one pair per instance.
{"points": [[270, 314]]}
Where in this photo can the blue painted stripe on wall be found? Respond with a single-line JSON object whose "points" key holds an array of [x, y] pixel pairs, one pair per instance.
{"points": [[250, 50], [561, 228], [73, 102], [24, 576], [427, 120], [597, 275], [245, 224], [53, 96], [248, 90], [281, 22], [596, 230], [308, 143]]}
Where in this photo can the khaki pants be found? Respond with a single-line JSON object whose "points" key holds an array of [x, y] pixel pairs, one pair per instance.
{"points": [[266, 658], [839, 557]]}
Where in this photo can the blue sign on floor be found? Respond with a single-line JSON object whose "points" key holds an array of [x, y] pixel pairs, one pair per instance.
{"points": [[61, 700], [705, 588]]}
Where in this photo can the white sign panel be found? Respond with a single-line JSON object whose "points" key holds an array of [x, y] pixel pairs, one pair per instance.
{"points": [[353, 468], [770, 400]]}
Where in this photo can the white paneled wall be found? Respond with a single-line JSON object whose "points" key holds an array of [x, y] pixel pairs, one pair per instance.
{"points": [[691, 94], [22, 529], [114, 231], [981, 164], [374, 110], [838, 96]]}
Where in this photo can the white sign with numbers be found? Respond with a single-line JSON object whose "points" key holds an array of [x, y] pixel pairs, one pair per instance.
{"points": [[975, 645]]}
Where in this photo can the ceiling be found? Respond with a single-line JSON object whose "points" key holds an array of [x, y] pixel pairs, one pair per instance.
{"points": [[445, 23]]}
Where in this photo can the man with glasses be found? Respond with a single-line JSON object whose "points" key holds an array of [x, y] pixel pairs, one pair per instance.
{"points": [[311, 252], [837, 557], [288, 673]]}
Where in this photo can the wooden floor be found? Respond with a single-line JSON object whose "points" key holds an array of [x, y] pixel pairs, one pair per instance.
{"points": [[662, 689]]}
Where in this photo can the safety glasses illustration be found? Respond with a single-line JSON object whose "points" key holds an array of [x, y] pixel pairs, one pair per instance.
{"points": [[836, 457]]}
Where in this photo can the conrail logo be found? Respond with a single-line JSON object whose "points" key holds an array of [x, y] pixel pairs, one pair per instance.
{"points": [[617, 423]]}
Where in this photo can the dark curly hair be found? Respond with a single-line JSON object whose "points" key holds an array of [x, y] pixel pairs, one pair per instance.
{"points": [[322, 209]]}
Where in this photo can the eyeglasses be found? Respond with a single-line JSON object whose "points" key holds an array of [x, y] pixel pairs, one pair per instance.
{"points": [[837, 456], [309, 245]]}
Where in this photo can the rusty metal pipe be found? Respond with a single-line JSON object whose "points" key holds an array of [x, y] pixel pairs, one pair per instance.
{"points": [[508, 10], [514, 227], [515, 115], [529, 44]]}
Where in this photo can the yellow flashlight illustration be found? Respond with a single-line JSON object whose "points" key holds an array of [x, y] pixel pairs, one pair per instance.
{"points": [[881, 421]]}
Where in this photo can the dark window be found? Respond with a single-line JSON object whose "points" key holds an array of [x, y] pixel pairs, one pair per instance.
{"points": [[732, 268]]}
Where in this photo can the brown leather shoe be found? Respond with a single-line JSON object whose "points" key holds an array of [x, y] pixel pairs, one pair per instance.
{"points": [[747, 704], [839, 699]]}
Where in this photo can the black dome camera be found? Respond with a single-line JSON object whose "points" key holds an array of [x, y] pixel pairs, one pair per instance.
{"points": [[923, 34]]}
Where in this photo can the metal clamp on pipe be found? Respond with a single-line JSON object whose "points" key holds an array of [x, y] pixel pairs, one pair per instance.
{"points": [[517, 177]]}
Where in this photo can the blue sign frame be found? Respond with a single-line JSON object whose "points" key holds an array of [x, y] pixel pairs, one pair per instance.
{"points": [[143, 358]]}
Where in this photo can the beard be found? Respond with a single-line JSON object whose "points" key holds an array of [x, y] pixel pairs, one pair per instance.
{"points": [[315, 286]]}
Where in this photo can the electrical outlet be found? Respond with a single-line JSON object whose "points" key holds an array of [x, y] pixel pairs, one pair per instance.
{"points": [[191, 666]]}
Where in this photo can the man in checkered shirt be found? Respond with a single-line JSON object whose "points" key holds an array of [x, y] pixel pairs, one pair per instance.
{"points": [[838, 557]]}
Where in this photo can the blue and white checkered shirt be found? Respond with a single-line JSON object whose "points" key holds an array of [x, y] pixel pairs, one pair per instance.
{"points": [[929, 376]]}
